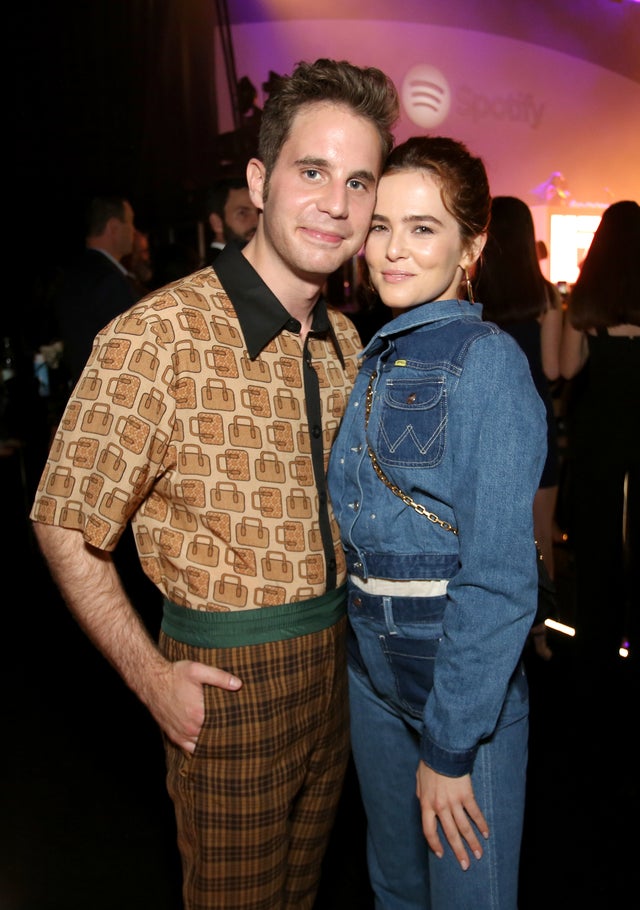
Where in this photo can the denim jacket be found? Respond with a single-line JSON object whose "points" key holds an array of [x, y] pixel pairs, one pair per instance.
{"points": [[456, 423]]}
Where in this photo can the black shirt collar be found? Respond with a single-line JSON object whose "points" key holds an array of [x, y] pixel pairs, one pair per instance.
{"points": [[261, 314]]}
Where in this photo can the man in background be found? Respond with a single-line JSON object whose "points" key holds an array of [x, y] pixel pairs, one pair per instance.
{"points": [[230, 214], [139, 265], [95, 286]]}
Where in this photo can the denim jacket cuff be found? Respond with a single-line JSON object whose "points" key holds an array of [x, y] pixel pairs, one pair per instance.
{"points": [[451, 764]]}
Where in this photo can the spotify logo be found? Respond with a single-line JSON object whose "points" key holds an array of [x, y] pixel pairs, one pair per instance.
{"points": [[425, 95]]}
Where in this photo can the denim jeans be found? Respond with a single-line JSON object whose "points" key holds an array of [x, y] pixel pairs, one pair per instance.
{"points": [[392, 656]]}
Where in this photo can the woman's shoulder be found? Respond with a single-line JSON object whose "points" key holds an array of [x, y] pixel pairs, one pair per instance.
{"points": [[622, 331]]}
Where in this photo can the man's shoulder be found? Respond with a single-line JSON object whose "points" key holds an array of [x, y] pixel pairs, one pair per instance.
{"points": [[341, 321], [91, 265], [199, 290]]}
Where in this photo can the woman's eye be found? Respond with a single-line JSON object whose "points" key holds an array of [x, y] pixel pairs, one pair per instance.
{"points": [[376, 228]]}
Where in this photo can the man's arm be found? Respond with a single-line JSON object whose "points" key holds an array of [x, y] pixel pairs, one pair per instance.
{"points": [[91, 587]]}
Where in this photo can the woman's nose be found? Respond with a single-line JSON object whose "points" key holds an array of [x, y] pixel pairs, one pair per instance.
{"points": [[396, 248]]}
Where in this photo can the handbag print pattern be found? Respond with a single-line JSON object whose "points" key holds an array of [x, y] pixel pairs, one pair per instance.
{"points": [[207, 452]]}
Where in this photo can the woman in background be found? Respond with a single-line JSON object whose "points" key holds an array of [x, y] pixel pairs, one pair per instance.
{"points": [[432, 478], [601, 347], [517, 297]]}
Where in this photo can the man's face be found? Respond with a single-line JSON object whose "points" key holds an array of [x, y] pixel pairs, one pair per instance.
{"points": [[321, 191], [240, 216], [124, 230]]}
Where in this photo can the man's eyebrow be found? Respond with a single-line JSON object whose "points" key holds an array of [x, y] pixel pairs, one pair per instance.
{"points": [[310, 161], [364, 176]]}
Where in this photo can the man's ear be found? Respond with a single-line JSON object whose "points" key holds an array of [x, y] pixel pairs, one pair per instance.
{"points": [[217, 226], [255, 181], [113, 226]]}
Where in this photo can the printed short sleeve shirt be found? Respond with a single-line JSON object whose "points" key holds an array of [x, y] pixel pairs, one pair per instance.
{"points": [[202, 419]]}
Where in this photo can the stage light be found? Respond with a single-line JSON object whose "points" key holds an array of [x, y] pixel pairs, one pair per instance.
{"points": [[560, 627]]}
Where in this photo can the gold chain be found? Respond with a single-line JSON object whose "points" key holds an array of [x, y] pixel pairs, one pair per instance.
{"points": [[407, 500]]}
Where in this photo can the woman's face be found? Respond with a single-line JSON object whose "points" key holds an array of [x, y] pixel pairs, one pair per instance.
{"points": [[414, 250]]}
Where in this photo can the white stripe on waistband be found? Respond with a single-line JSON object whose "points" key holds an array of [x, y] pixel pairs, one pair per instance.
{"points": [[391, 588]]}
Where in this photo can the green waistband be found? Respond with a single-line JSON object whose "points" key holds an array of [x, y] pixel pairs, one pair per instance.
{"points": [[253, 627]]}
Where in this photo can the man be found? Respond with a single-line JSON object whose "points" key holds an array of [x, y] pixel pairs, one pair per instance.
{"points": [[205, 417], [231, 214], [138, 264], [95, 286]]}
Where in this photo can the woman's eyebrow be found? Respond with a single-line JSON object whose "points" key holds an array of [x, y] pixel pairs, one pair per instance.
{"points": [[409, 219]]}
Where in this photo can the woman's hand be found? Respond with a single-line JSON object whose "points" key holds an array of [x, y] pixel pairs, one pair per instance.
{"points": [[450, 801]]}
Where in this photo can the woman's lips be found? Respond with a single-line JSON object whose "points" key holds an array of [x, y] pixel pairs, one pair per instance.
{"points": [[394, 277]]}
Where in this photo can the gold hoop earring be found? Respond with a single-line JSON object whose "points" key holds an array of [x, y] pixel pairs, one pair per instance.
{"points": [[469, 287]]}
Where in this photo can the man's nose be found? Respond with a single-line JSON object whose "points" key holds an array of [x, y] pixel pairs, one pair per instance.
{"points": [[335, 201]]}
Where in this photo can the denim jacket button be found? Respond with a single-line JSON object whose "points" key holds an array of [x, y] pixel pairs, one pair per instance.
{"points": [[357, 601]]}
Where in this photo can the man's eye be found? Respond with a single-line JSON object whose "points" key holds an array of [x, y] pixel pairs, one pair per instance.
{"points": [[355, 184], [312, 172]]}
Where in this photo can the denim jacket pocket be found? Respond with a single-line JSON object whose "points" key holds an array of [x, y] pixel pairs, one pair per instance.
{"points": [[412, 419]]}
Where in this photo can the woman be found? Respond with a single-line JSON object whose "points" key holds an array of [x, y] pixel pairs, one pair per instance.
{"points": [[516, 295], [433, 477], [601, 349]]}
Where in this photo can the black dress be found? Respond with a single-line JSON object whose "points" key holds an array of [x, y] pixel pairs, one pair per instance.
{"points": [[603, 447]]}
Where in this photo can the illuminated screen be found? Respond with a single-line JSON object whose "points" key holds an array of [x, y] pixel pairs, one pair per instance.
{"points": [[570, 237]]}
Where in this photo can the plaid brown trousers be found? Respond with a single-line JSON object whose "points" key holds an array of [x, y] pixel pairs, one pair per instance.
{"points": [[266, 775]]}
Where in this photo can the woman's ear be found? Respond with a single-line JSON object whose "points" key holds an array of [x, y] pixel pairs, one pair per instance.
{"points": [[256, 174], [473, 251]]}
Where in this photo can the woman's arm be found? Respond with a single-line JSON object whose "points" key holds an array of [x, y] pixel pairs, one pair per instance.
{"points": [[550, 339], [574, 350]]}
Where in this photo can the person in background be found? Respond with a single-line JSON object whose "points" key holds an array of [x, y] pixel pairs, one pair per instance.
{"points": [[600, 353], [94, 287], [542, 251], [138, 263], [204, 420], [553, 290], [230, 213], [443, 442], [271, 83], [517, 297]]}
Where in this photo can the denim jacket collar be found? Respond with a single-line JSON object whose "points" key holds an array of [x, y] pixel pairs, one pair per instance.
{"points": [[425, 313]]}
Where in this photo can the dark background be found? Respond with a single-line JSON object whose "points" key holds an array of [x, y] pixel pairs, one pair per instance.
{"points": [[119, 96], [111, 96]]}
